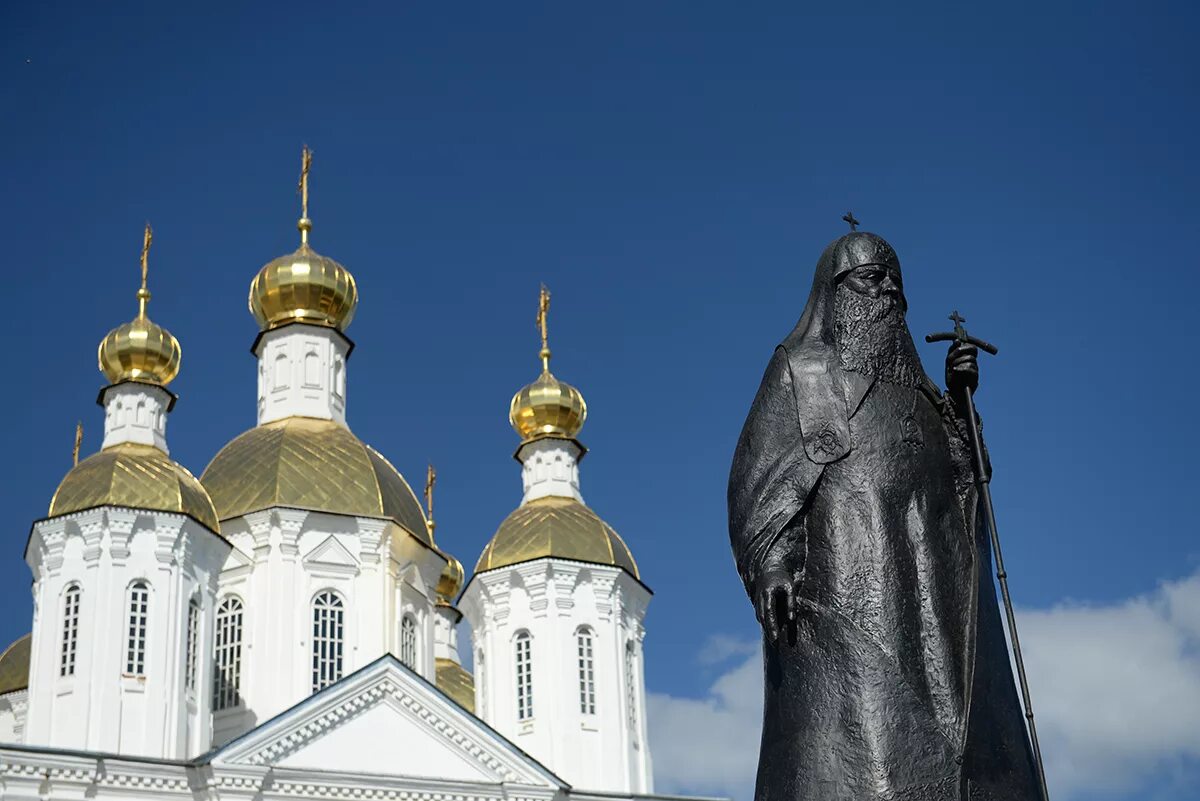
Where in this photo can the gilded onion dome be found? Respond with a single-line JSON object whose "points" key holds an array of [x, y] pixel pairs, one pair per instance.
{"points": [[307, 463], [137, 476], [457, 682], [450, 581], [559, 527], [140, 350], [303, 286], [547, 407]]}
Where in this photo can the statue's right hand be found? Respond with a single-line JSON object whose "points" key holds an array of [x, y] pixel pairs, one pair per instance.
{"points": [[774, 602]]}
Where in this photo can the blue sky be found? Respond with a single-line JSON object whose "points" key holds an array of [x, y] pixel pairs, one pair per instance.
{"points": [[671, 171]]}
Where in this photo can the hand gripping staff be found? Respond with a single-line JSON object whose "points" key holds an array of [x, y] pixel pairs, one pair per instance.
{"points": [[982, 479]]}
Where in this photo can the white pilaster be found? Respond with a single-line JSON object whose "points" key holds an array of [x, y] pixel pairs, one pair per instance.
{"points": [[135, 412], [550, 467], [302, 372]]}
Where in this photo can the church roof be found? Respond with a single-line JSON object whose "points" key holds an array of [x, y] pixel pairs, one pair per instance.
{"points": [[457, 682], [138, 476], [307, 463], [559, 527], [14, 665]]}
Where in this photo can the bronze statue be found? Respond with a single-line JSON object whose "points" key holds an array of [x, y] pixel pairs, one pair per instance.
{"points": [[852, 515]]}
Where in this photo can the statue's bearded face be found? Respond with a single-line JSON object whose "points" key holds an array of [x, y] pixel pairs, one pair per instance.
{"points": [[872, 335]]}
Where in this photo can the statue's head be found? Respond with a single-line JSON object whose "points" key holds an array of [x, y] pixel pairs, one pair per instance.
{"points": [[869, 330]]}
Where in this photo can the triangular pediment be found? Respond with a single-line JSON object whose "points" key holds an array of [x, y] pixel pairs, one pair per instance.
{"points": [[386, 720], [331, 553]]}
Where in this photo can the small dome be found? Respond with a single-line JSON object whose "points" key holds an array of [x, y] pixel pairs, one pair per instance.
{"points": [[306, 287], [306, 463], [140, 350], [451, 581], [14, 666], [137, 476], [558, 527], [457, 682], [547, 408]]}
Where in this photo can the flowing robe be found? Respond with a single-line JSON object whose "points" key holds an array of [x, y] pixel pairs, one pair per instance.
{"points": [[894, 683]]}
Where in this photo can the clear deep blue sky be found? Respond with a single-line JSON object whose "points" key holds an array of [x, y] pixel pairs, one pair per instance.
{"points": [[671, 171]]}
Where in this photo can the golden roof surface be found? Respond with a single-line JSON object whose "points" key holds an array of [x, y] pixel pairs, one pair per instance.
{"points": [[456, 681], [14, 666], [547, 407], [450, 581], [137, 476], [139, 350], [559, 527], [313, 464], [303, 286]]}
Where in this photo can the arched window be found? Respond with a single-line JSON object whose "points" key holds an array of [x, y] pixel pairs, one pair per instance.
{"points": [[408, 641], [193, 636], [328, 639], [281, 371], [631, 684], [481, 683], [312, 369], [524, 660], [139, 619], [587, 671], [70, 630], [227, 664], [339, 378]]}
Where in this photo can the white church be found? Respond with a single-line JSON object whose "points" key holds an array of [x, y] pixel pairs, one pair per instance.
{"points": [[286, 626]]}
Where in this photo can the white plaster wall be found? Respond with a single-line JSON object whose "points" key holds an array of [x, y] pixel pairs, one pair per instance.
{"points": [[13, 709], [104, 551], [552, 599], [550, 466], [136, 412], [302, 371], [284, 558]]}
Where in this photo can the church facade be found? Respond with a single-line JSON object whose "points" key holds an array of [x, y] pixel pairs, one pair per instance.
{"points": [[287, 624]]}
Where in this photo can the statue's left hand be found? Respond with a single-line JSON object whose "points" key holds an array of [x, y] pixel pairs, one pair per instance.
{"points": [[962, 368]]}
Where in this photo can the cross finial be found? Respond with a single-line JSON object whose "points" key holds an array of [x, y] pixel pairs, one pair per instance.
{"points": [[305, 224], [849, 217], [543, 311], [78, 442], [143, 294], [430, 481], [958, 321]]}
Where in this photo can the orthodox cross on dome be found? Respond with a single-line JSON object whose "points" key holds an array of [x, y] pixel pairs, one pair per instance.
{"points": [[543, 311], [849, 217], [305, 224], [430, 481], [78, 442], [143, 294]]}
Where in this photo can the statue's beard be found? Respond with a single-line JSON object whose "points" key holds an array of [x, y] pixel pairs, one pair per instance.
{"points": [[873, 339]]}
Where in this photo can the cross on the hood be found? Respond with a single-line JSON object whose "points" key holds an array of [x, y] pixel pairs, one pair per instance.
{"points": [[849, 217]]}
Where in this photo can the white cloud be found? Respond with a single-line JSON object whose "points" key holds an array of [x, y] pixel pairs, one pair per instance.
{"points": [[1116, 689]]}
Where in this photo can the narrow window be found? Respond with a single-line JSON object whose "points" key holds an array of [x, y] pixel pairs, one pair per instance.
{"points": [[408, 642], [70, 631], [630, 685], [328, 638], [193, 635], [524, 645], [139, 618], [312, 370], [481, 683], [227, 667], [339, 378], [587, 671], [281, 372]]}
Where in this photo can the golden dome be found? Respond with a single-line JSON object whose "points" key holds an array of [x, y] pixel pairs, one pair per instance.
{"points": [[306, 287], [457, 682], [451, 581], [558, 527], [303, 286], [137, 476], [306, 463], [140, 350], [14, 666], [547, 408]]}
